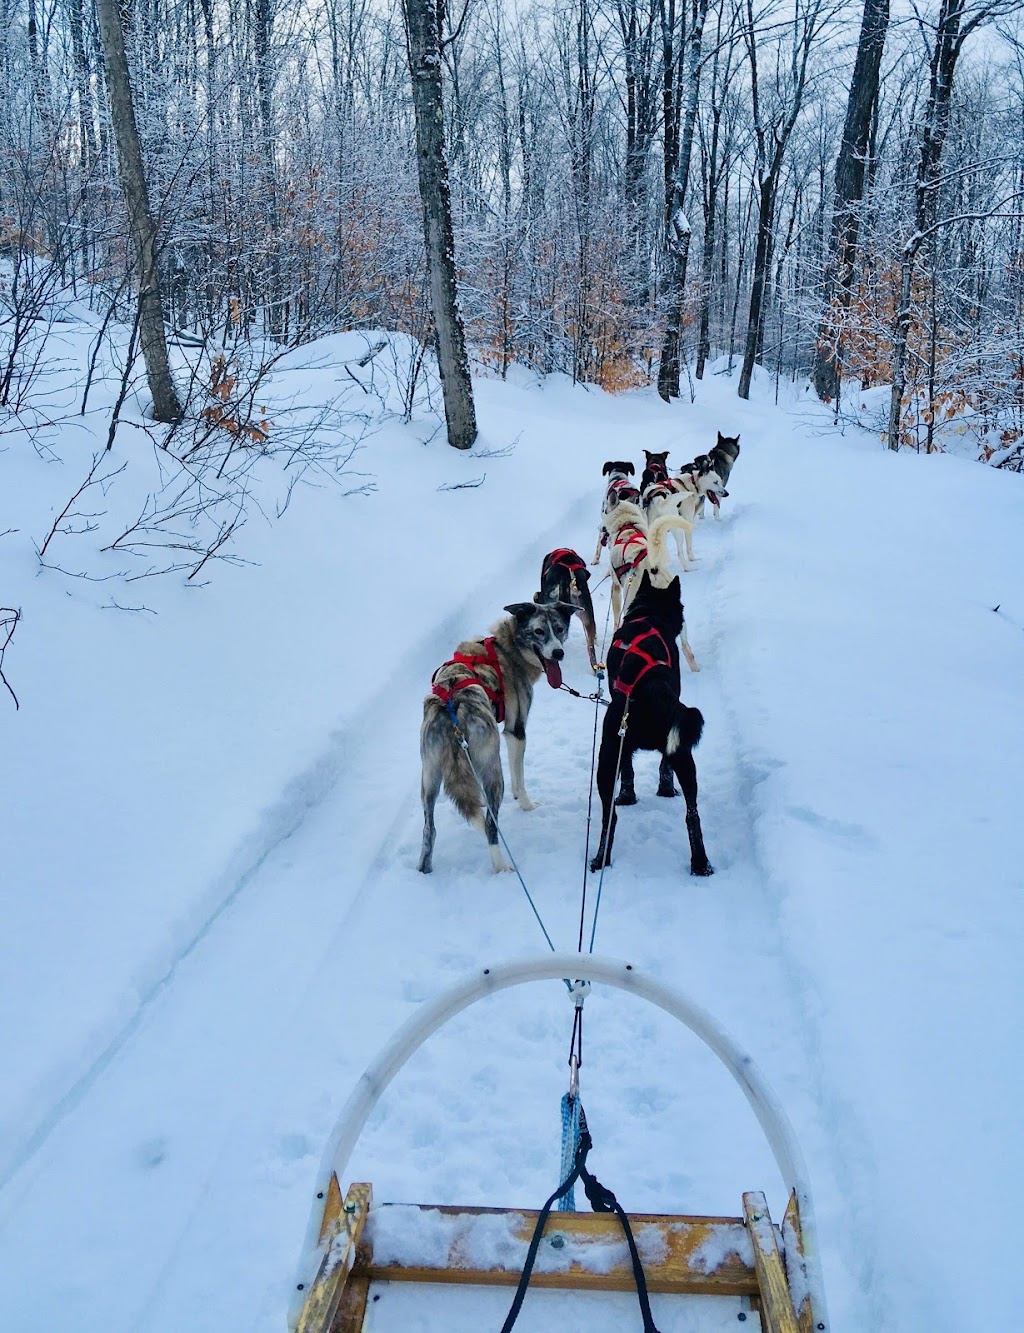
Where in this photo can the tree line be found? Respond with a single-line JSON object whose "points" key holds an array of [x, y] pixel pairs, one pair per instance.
{"points": [[640, 191]]}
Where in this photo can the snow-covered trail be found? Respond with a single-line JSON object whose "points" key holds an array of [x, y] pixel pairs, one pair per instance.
{"points": [[860, 938], [213, 1108]]}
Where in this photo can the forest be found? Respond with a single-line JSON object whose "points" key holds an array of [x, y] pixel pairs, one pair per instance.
{"points": [[641, 192]]}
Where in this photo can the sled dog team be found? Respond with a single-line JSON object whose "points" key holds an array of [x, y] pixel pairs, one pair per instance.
{"points": [[489, 680]]}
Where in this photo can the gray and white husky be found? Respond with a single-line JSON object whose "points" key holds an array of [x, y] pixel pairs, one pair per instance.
{"points": [[715, 469], [488, 680]]}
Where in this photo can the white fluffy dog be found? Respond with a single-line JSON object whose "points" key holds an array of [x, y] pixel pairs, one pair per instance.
{"points": [[638, 546], [681, 495]]}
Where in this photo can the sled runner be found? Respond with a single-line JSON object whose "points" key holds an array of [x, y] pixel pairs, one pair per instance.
{"points": [[386, 1267]]}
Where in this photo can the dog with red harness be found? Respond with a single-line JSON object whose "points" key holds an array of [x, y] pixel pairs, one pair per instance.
{"points": [[487, 681], [565, 578], [645, 713], [637, 547], [619, 488], [655, 469]]}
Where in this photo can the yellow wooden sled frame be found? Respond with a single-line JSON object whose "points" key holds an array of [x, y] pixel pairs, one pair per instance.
{"points": [[783, 1283]]}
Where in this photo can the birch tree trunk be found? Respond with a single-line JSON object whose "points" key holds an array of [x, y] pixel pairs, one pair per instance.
{"points": [[677, 225], [452, 360], [166, 405]]}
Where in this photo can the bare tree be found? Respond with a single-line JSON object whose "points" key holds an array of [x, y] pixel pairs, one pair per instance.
{"points": [[849, 191], [681, 87], [775, 108], [453, 362], [166, 406], [954, 24]]}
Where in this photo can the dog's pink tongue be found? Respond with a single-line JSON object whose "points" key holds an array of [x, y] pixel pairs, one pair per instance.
{"points": [[713, 497], [553, 672]]}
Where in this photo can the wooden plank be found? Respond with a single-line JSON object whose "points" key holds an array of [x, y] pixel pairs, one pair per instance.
{"points": [[352, 1307], [332, 1208], [341, 1235], [777, 1309], [692, 1254], [794, 1254]]}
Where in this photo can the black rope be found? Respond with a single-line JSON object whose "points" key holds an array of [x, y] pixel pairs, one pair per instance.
{"points": [[576, 1039], [602, 1201], [591, 698]]}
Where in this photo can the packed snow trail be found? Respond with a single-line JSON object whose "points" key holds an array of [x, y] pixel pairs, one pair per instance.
{"points": [[190, 1154], [227, 1036]]}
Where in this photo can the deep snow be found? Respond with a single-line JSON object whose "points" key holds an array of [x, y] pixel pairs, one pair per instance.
{"points": [[213, 918]]}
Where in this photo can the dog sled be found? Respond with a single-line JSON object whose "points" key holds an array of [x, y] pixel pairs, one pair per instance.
{"points": [[382, 1267]]}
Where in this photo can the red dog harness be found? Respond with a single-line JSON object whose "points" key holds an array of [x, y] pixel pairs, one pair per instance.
{"points": [[567, 558], [621, 489], [640, 654], [627, 537], [488, 658]]}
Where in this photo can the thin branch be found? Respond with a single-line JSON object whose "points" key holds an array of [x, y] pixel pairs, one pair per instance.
{"points": [[9, 623]]}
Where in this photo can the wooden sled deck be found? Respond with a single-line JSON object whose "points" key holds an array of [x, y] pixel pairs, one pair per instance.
{"points": [[739, 1257], [388, 1266]]}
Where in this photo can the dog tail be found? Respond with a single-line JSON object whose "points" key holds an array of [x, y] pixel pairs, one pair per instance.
{"points": [[686, 729], [657, 536], [439, 747]]}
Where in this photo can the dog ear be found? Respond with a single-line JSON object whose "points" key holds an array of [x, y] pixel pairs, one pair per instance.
{"points": [[521, 610], [537, 597], [608, 467]]}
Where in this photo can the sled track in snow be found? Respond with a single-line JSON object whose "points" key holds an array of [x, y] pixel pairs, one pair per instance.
{"points": [[302, 796]]}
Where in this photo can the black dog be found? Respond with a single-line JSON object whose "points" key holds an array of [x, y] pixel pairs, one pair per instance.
{"points": [[655, 469], [565, 578], [643, 667]]}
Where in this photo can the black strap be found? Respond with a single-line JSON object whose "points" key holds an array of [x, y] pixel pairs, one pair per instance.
{"points": [[602, 1201]]}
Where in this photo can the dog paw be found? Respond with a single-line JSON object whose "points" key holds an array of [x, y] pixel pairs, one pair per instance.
{"points": [[627, 796], [525, 803], [705, 869], [667, 791], [694, 666], [598, 863]]}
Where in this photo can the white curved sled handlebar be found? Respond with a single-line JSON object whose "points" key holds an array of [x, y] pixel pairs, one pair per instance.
{"points": [[622, 976]]}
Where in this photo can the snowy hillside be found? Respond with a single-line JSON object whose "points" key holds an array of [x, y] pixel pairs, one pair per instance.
{"points": [[212, 916]]}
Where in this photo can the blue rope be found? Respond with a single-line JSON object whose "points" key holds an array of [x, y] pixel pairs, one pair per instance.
{"points": [[570, 1145]]}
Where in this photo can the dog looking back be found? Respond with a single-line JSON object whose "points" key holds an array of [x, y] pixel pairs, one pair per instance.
{"points": [[487, 681], [643, 668]]}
